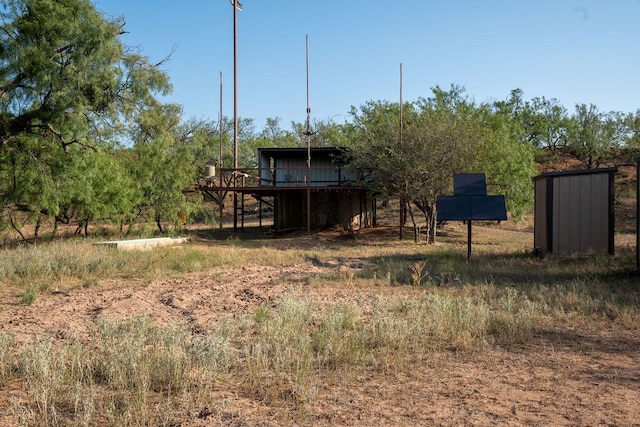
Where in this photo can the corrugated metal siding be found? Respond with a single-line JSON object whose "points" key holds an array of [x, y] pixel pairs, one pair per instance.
{"points": [[574, 212], [580, 214], [323, 173], [290, 172], [540, 216], [293, 172], [265, 170], [559, 217], [600, 207]]}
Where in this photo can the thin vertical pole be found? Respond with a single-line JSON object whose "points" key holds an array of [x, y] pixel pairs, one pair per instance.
{"points": [[308, 132], [220, 157], [401, 106], [468, 240], [220, 123], [235, 113], [402, 199]]}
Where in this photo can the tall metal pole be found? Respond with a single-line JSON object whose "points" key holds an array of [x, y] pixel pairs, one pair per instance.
{"points": [[220, 158], [402, 199], [236, 5], [220, 125], [401, 103], [308, 132]]}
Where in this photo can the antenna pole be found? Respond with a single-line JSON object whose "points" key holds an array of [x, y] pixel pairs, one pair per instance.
{"points": [[235, 113], [308, 132], [403, 206], [220, 124], [401, 102], [220, 194]]}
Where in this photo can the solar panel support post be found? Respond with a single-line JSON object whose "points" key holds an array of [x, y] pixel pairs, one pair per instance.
{"points": [[468, 240]]}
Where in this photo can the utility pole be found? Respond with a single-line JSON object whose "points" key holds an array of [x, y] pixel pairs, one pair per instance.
{"points": [[236, 7], [403, 205], [220, 125], [308, 133]]}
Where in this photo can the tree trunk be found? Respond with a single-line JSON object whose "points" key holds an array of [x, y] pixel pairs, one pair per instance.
{"points": [[402, 216], [416, 232], [16, 228], [428, 209], [433, 225], [36, 229]]}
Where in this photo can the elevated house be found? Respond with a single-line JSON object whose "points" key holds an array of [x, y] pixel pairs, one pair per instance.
{"points": [[322, 193]]}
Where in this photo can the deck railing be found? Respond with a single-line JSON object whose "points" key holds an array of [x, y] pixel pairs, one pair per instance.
{"points": [[320, 176]]}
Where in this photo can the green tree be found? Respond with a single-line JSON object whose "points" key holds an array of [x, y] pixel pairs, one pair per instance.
{"points": [[596, 137], [273, 135], [440, 136], [247, 152], [631, 139], [507, 160], [97, 187], [164, 166], [417, 163], [543, 122], [68, 85], [320, 133]]}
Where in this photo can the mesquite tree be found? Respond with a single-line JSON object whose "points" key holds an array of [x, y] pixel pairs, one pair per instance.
{"points": [[439, 136], [68, 85]]}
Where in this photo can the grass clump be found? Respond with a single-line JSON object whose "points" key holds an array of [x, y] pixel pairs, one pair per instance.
{"points": [[138, 355], [135, 369], [67, 264], [341, 338], [6, 342]]}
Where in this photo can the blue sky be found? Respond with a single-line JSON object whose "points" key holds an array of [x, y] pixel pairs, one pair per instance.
{"points": [[577, 51]]}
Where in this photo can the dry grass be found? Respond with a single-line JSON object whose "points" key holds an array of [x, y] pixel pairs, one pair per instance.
{"points": [[415, 302]]}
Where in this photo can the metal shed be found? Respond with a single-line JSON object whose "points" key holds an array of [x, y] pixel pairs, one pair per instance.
{"points": [[574, 212]]}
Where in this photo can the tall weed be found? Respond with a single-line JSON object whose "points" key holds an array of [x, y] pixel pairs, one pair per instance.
{"points": [[6, 343]]}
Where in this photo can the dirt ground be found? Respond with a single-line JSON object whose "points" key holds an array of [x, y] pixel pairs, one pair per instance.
{"points": [[584, 376]]}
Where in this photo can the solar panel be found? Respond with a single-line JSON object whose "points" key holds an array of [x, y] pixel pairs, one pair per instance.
{"points": [[469, 184], [453, 208], [489, 208], [470, 202]]}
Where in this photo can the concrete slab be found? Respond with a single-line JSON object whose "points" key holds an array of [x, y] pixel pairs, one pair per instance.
{"points": [[143, 244]]}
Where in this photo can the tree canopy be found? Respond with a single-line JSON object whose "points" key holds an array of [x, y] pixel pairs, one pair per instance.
{"points": [[415, 158], [70, 92], [84, 136]]}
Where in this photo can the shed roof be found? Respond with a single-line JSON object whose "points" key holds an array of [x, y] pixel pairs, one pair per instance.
{"points": [[294, 152], [575, 172]]}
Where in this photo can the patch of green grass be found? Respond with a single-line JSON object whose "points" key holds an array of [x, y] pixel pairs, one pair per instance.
{"points": [[29, 295]]}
